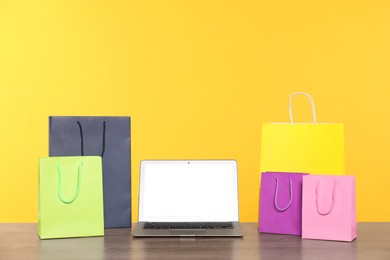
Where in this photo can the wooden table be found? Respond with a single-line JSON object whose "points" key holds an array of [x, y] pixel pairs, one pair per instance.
{"points": [[20, 241]]}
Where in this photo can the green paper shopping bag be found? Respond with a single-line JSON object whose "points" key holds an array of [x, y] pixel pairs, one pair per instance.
{"points": [[70, 197]]}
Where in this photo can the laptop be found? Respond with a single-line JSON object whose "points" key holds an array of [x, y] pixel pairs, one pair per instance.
{"points": [[188, 198]]}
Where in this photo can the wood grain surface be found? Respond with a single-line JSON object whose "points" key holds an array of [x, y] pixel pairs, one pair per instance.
{"points": [[21, 241]]}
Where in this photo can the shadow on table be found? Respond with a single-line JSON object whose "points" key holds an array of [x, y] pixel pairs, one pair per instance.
{"points": [[294, 247], [183, 248], [72, 248], [322, 249]]}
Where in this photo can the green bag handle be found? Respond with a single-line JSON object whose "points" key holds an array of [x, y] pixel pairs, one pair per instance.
{"points": [[60, 184]]}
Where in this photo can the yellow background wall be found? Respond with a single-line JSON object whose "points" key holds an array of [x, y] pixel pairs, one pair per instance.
{"points": [[198, 79]]}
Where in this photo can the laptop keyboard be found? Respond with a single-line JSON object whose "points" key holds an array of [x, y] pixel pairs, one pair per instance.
{"points": [[188, 225]]}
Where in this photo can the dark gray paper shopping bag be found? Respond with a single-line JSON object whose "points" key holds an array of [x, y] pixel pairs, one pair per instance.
{"points": [[108, 137]]}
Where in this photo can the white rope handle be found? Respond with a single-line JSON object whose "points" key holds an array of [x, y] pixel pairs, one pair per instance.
{"points": [[313, 108]]}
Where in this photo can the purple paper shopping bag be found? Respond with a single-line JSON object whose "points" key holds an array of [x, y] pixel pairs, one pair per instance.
{"points": [[281, 203], [329, 208]]}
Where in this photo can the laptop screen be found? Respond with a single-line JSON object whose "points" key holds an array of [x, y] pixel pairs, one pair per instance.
{"points": [[180, 191]]}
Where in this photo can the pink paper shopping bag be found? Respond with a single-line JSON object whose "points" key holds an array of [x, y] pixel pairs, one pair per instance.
{"points": [[329, 207]]}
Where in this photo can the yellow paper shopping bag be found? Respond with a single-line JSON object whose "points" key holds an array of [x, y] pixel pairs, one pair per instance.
{"points": [[316, 148]]}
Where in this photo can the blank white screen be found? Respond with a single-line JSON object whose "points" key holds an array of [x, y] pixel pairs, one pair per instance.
{"points": [[182, 191]]}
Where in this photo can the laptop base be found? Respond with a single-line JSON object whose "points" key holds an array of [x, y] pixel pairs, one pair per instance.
{"points": [[139, 231]]}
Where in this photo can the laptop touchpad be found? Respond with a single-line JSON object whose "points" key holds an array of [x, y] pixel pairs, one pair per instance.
{"points": [[187, 232]]}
